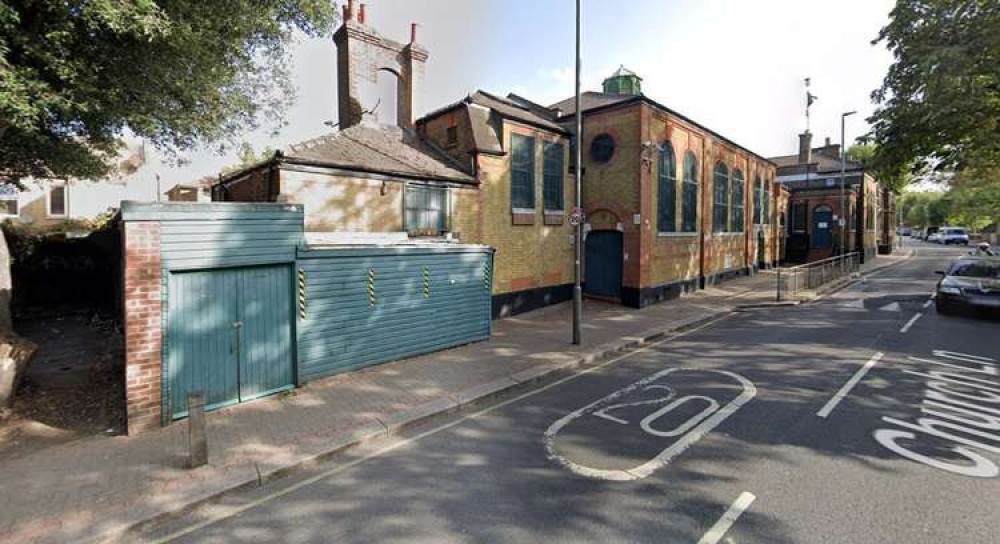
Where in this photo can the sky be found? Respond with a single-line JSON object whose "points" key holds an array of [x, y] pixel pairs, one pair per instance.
{"points": [[735, 66]]}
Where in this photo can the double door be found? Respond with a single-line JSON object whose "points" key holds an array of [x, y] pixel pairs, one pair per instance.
{"points": [[229, 335]]}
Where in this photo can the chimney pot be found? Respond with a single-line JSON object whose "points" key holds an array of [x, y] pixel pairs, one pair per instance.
{"points": [[361, 19], [413, 32], [349, 10]]}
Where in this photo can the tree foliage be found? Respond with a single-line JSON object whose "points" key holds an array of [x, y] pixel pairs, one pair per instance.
{"points": [[246, 156], [940, 100], [975, 197], [76, 74], [894, 177]]}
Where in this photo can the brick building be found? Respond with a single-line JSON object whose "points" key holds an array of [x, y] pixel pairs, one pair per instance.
{"points": [[672, 205], [813, 177], [677, 204]]}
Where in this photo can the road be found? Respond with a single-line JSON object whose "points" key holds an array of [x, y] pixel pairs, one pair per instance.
{"points": [[796, 424]]}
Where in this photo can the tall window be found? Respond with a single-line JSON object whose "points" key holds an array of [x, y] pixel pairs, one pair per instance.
{"points": [[57, 200], [765, 205], [739, 202], [799, 218], [552, 176], [666, 203], [522, 172], [758, 202], [426, 209], [720, 211], [689, 210]]}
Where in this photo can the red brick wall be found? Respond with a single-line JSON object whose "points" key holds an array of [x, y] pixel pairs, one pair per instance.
{"points": [[143, 336]]}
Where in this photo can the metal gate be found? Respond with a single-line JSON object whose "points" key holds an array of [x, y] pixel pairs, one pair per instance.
{"points": [[229, 335], [604, 263]]}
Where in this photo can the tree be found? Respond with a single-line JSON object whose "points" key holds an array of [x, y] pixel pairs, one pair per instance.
{"points": [[891, 176], [863, 153], [975, 196], [246, 157], [76, 75], [940, 100]]}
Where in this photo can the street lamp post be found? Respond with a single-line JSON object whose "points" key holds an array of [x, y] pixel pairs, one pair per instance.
{"points": [[577, 289], [843, 174]]}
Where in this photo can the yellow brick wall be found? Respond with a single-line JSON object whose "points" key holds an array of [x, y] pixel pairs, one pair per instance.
{"points": [[527, 256], [611, 190], [339, 203], [675, 256]]}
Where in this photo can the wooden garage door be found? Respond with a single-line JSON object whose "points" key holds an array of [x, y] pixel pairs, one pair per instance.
{"points": [[228, 335]]}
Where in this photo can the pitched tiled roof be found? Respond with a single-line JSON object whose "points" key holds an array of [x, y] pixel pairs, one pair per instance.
{"points": [[511, 109], [386, 149], [590, 100]]}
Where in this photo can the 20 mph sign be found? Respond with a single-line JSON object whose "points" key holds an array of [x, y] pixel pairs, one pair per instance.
{"points": [[576, 217]]}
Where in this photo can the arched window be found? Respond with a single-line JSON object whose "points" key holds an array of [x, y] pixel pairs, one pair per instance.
{"points": [[758, 202], [739, 202], [689, 208], [720, 212], [666, 203]]}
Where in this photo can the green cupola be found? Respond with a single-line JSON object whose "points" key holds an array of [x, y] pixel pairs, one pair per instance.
{"points": [[623, 81]]}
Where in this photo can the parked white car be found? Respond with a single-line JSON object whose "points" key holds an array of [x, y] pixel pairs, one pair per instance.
{"points": [[952, 235], [934, 237]]}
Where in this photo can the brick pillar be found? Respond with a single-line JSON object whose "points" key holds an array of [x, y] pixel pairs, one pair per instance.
{"points": [[143, 334]]}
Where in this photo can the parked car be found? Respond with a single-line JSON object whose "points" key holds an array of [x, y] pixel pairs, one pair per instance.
{"points": [[905, 231], [971, 282], [926, 232], [953, 235], [934, 237]]}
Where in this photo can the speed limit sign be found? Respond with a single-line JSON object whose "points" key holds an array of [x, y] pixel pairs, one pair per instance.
{"points": [[576, 217]]}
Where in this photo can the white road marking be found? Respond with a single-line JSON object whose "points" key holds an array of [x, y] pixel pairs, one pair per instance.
{"points": [[859, 303], [692, 430], [833, 402], [720, 528], [928, 303], [224, 512], [894, 307], [910, 323]]}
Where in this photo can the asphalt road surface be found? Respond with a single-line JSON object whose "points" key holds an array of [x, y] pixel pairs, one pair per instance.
{"points": [[864, 417]]}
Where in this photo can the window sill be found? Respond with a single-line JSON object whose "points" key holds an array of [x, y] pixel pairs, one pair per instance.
{"points": [[676, 234], [522, 217], [554, 217]]}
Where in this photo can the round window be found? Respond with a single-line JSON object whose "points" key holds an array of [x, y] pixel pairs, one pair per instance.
{"points": [[602, 147]]}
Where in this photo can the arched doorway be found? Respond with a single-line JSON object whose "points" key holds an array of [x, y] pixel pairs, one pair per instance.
{"points": [[604, 252], [822, 227]]}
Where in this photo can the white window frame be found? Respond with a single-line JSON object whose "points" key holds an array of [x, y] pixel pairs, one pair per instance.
{"points": [[48, 200], [16, 199]]}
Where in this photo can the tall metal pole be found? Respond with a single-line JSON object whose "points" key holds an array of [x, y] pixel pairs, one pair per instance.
{"points": [[577, 289], [843, 174]]}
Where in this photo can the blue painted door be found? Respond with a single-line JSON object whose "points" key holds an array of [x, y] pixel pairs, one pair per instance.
{"points": [[228, 335], [265, 333], [604, 263], [822, 227]]}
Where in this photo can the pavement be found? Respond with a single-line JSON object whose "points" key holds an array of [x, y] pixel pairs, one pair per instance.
{"points": [[108, 488], [810, 423]]}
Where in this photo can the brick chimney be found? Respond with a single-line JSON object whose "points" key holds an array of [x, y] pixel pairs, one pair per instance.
{"points": [[361, 54], [805, 147]]}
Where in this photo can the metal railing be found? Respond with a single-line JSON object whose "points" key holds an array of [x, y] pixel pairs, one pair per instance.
{"points": [[793, 280]]}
